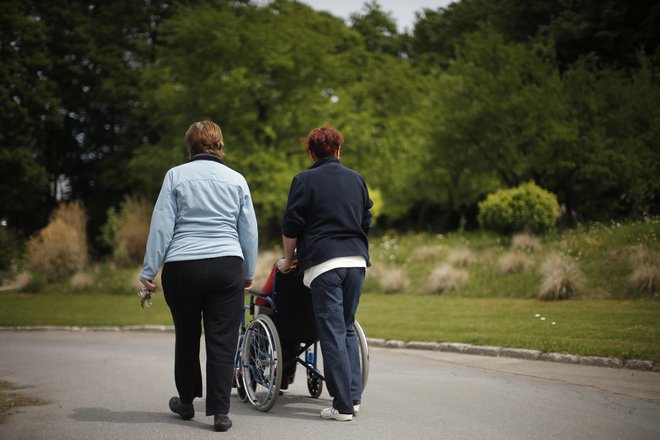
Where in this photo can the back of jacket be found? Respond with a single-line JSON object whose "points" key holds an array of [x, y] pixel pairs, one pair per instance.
{"points": [[328, 212], [204, 210]]}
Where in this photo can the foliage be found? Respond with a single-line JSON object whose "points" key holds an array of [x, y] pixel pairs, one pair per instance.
{"points": [[527, 207], [126, 231], [9, 252], [60, 249], [480, 95]]}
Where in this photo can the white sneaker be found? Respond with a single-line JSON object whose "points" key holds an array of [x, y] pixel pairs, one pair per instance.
{"points": [[356, 408], [331, 413]]}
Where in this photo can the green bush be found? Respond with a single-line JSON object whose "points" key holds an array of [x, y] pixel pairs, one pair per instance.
{"points": [[527, 207]]}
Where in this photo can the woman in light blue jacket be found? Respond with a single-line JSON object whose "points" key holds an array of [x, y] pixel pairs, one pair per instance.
{"points": [[204, 228]]}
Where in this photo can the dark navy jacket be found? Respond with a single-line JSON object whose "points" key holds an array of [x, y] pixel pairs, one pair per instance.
{"points": [[328, 212]]}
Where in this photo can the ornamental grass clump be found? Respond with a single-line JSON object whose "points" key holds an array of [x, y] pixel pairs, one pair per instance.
{"points": [[526, 242], [446, 277], [81, 281], [425, 254], [512, 262], [561, 278], [461, 257], [60, 249], [393, 279], [645, 277], [127, 231]]}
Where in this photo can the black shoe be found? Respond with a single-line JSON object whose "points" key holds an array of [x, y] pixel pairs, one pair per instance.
{"points": [[221, 422], [185, 410]]}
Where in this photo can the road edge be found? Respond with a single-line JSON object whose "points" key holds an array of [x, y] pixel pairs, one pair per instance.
{"points": [[453, 347]]}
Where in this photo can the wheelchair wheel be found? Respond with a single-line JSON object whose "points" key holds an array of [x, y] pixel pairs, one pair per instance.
{"points": [[261, 363], [364, 353], [314, 383]]}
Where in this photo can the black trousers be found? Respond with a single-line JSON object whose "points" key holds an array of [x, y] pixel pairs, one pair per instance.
{"points": [[208, 291]]}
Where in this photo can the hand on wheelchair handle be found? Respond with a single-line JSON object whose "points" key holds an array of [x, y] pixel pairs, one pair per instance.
{"points": [[283, 266]]}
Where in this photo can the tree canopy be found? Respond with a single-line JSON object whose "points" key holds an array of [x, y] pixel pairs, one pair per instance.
{"points": [[481, 95]]}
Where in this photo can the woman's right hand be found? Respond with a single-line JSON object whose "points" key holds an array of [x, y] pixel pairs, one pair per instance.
{"points": [[148, 284]]}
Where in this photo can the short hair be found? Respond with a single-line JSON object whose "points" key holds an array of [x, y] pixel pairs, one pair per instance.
{"points": [[324, 141], [204, 137]]}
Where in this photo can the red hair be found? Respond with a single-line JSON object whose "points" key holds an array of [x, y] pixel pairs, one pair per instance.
{"points": [[324, 141]]}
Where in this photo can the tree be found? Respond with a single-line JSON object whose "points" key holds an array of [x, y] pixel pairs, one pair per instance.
{"points": [[221, 62]]}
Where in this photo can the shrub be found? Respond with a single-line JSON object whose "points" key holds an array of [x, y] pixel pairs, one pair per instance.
{"points": [[60, 249], [445, 277], [127, 231], [562, 278], [526, 242], [512, 262], [527, 207], [392, 279]]}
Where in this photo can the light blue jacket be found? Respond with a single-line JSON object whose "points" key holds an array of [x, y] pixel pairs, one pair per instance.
{"points": [[204, 210]]}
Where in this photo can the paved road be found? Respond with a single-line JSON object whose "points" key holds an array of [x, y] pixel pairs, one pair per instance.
{"points": [[106, 385]]}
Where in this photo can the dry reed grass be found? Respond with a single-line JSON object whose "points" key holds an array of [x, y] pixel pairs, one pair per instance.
{"points": [[561, 278], [60, 249], [646, 279], [526, 242], [645, 264], [513, 262], [426, 254], [445, 278], [461, 257], [81, 281], [391, 279], [132, 231]]}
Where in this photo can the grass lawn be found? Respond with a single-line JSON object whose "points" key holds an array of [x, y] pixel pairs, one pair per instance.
{"points": [[629, 329]]}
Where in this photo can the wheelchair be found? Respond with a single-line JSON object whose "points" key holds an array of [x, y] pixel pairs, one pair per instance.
{"points": [[279, 337]]}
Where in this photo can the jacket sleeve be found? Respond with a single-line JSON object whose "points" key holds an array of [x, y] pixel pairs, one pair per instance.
{"points": [[161, 230], [295, 213], [366, 217], [248, 234]]}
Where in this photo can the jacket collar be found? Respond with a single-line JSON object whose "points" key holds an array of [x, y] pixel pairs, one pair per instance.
{"points": [[205, 156], [323, 161]]}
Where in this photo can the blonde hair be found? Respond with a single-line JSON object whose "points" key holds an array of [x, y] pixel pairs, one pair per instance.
{"points": [[204, 137]]}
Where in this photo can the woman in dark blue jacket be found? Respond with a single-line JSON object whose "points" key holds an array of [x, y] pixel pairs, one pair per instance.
{"points": [[326, 223]]}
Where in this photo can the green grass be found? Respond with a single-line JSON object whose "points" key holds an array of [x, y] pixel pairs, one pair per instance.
{"points": [[19, 309], [607, 318], [628, 329], [604, 253]]}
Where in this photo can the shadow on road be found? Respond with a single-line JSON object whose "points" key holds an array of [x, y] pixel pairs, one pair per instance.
{"points": [[132, 417]]}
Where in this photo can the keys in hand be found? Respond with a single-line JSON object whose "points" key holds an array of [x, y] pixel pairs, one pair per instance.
{"points": [[145, 297]]}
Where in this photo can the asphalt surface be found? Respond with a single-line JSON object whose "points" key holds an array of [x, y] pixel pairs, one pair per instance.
{"points": [[116, 385]]}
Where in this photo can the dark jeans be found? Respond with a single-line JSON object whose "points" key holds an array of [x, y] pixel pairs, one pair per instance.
{"points": [[210, 290], [335, 296]]}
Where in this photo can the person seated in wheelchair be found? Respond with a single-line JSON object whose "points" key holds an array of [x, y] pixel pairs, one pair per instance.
{"points": [[293, 316]]}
